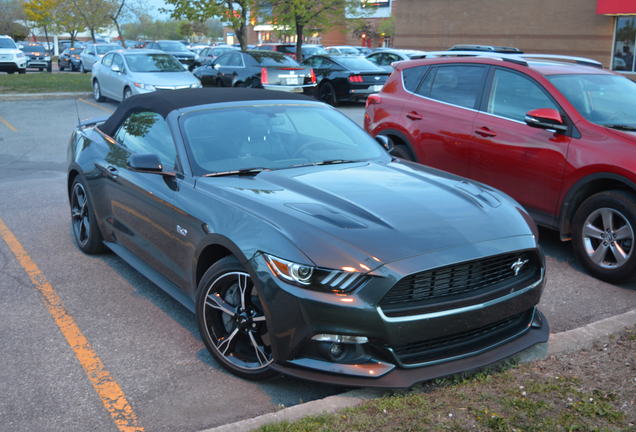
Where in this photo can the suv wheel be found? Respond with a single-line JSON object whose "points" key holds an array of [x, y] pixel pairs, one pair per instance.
{"points": [[401, 151], [603, 235]]}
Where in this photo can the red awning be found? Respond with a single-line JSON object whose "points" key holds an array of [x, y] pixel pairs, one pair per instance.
{"points": [[616, 7]]}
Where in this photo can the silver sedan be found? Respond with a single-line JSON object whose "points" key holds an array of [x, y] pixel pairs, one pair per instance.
{"points": [[123, 73]]}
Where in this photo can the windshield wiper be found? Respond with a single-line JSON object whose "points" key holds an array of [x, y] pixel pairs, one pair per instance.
{"points": [[241, 172], [621, 127], [327, 162]]}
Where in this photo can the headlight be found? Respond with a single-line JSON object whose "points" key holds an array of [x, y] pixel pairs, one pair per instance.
{"points": [[20, 55], [331, 280], [196, 85], [47, 58], [145, 86]]}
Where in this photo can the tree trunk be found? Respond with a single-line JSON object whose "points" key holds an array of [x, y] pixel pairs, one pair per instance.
{"points": [[299, 42], [121, 36], [73, 35], [93, 34], [46, 35]]}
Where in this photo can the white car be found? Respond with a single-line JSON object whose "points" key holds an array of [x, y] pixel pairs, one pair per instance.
{"points": [[11, 58], [124, 73]]}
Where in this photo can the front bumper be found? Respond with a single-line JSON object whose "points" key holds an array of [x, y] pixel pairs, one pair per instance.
{"points": [[38, 63], [12, 66], [459, 337]]}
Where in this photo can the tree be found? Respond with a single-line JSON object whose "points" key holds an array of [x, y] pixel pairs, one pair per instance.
{"points": [[235, 12], [95, 13], [68, 20], [41, 13], [12, 11], [117, 7], [305, 14]]}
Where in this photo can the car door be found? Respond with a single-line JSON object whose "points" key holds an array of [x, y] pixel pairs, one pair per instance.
{"points": [[104, 74], [440, 113], [148, 219], [119, 78], [525, 162], [229, 68]]}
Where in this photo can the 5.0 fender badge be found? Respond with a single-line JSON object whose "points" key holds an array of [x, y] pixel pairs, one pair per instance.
{"points": [[182, 231]]}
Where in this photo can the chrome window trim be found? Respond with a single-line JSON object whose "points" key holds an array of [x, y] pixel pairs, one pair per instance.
{"points": [[471, 308]]}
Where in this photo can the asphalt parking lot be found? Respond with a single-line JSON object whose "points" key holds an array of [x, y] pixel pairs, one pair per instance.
{"points": [[147, 342]]}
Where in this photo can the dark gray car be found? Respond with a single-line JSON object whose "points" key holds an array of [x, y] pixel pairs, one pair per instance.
{"points": [[300, 244]]}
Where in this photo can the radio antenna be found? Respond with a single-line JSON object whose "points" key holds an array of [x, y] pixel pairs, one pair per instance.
{"points": [[77, 112]]}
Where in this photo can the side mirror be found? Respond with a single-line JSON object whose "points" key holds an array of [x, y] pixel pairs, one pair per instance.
{"points": [[385, 142], [149, 163], [115, 68], [546, 118]]}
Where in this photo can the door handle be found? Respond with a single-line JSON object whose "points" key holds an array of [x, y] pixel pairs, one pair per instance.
{"points": [[485, 132], [112, 171], [413, 115]]}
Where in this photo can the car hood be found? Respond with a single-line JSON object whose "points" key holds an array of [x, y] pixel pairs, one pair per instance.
{"points": [[181, 53], [13, 51], [383, 211], [165, 78]]}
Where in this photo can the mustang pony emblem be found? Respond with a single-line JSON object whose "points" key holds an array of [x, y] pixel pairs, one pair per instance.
{"points": [[518, 265]]}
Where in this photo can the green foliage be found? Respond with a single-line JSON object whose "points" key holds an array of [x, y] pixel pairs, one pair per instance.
{"points": [[147, 28], [235, 12]]}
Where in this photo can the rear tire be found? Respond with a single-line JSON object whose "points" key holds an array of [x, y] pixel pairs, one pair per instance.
{"points": [[603, 235], [83, 222]]}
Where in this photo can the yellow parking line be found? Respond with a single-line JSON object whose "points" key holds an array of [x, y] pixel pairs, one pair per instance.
{"points": [[7, 124], [111, 395], [103, 108]]}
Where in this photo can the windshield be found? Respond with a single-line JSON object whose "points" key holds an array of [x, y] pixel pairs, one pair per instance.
{"points": [[608, 100], [172, 46], [356, 63], [309, 51], [7, 43], [153, 63], [266, 58], [349, 51], [33, 48], [103, 49], [273, 137]]}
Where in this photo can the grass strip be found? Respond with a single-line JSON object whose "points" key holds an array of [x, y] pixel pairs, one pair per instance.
{"points": [[45, 83], [588, 391]]}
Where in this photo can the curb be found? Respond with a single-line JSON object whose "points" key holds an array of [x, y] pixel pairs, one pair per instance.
{"points": [[39, 96], [560, 343]]}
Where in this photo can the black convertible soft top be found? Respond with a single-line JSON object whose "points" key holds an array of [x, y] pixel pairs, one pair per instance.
{"points": [[163, 102]]}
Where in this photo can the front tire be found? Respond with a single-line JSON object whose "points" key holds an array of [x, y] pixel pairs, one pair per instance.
{"points": [[127, 93], [604, 228], [60, 67], [81, 68], [232, 322], [83, 222], [97, 92]]}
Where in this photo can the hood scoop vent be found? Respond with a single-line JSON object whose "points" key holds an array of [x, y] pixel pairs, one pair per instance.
{"points": [[325, 214]]}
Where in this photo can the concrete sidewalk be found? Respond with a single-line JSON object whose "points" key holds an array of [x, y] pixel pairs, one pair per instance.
{"points": [[37, 96]]}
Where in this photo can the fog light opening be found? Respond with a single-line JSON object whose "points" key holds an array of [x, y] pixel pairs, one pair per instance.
{"points": [[336, 350], [340, 339]]}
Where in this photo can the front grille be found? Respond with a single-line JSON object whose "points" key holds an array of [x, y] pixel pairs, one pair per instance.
{"points": [[473, 280], [463, 343]]}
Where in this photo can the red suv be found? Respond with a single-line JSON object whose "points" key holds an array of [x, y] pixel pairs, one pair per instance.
{"points": [[559, 137]]}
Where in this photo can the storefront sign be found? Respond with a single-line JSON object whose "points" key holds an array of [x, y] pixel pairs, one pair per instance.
{"points": [[616, 7]]}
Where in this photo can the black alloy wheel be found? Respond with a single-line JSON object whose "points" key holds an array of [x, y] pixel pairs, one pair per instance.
{"points": [[327, 94], [85, 230], [232, 322], [603, 234]]}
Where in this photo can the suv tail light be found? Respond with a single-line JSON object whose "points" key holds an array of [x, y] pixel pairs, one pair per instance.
{"points": [[356, 78], [264, 76], [312, 74]]}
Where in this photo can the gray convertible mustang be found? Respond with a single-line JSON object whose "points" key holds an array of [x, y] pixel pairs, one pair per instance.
{"points": [[301, 245]]}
